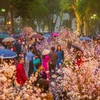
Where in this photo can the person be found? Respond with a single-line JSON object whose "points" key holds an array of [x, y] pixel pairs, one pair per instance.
{"points": [[69, 46], [24, 49], [43, 85], [53, 57], [35, 42], [45, 62], [41, 78], [34, 49], [36, 61], [40, 73], [20, 73], [60, 54], [30, 57], [78, 60], [18, 48], [12, 48]]}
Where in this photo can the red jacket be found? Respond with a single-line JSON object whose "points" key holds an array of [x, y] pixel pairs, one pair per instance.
{"points": [[20, 74], [78, 62]]}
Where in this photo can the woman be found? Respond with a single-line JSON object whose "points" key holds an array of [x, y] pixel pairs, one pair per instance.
{"points": [[20, 73], [45, 61], [79, 59], [40, 73], [41, 78], [60, 54], [36, 61], [12, 48]]}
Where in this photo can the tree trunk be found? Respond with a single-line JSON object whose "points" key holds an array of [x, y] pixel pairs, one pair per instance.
{"points": [[25, 20], [38, 26], [78, 20], [12, 22], [78, 24], [55, 22], [86, 21], [51, 23], [86, 28], [5, 20], [61, 16], [48, 18], [70, 14]]}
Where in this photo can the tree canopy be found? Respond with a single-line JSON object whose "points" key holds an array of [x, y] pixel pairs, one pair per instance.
{"points": [[46, 12], [83, 10]]}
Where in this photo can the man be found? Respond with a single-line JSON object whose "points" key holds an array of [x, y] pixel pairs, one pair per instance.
{"points": [[18, 48], [53, 59], [20, 73], [30, 57], [24, 49]]}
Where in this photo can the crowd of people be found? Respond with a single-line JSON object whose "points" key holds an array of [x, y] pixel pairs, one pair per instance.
{"points": [[39, 65], [49, 59], [45, 66]]}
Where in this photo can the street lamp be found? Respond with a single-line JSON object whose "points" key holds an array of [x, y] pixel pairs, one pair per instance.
{"points": [[3, 10], [94, 15], [9, 23], [93, 18]]}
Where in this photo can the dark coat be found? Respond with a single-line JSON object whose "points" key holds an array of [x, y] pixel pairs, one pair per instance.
{"points": [[53, 57], [41, 75], [18, 48]]}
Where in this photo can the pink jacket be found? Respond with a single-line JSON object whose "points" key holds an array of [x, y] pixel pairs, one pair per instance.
{"points": [[45, 62]]}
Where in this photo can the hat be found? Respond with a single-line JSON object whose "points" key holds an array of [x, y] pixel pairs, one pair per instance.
{"points": [[79, 51], [45, 52]]}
